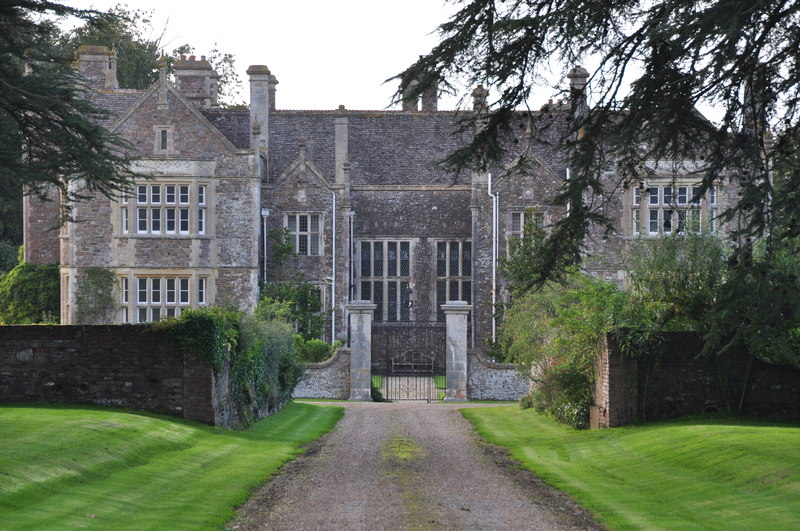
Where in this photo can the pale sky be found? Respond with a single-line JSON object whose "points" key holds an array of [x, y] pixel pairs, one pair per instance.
{"points": [[323, 52]]}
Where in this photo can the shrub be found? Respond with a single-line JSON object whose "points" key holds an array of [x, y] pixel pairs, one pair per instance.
{"points": [[552, 335], [8, 256], [29, 294], [312, 350]]}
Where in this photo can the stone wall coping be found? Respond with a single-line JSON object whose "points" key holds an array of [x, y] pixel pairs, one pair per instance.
{"points": [[486, 362], [328, 362], [360, 307], [456, 307]]}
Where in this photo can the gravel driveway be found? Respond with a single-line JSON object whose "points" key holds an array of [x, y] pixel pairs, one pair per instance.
{"points": [[407, 465]]}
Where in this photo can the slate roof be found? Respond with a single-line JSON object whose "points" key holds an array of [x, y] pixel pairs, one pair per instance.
{"points": [[115, 102], [385, 147], [233, 123]]}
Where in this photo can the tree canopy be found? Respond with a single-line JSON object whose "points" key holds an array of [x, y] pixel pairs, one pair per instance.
{"points": [[49, 132], [657, 62]]}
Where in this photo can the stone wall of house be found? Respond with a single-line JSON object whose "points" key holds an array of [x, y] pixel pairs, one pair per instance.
{"points": [[487, 380], [40, 221], [681, 383], [327, 379], [117, 366]]}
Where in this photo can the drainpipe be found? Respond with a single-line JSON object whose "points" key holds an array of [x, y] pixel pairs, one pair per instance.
{"points": [[264, 216], [495, 208], [333, 272]]}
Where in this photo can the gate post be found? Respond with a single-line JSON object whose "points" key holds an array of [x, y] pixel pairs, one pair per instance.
{"points": [[361, 350], [456, 315]]}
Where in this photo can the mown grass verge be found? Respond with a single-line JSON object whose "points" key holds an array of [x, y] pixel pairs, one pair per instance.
{"points": [[67, 467], [700, 474]]}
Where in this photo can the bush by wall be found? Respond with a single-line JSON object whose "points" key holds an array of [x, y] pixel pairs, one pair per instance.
{"points": [[29, 294], [262, 365]]}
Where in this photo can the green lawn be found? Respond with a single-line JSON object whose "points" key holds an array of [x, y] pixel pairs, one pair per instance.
{"points": [[67, 467], [692, 474]]}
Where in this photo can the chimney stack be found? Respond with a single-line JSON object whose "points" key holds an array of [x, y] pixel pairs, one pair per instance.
{"points": [[98, 67], [262, 84], [409, 103], [479, 98], [430, 99], [197, 81]]}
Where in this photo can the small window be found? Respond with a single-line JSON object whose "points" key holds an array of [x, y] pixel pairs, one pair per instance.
{"points": [[184, 220], [636, 196], [653, 190], [201, 221], [653, 226], [170, 291], [155, 194], [683, 192], [712, 195], [183, 198], [163, 139], [636, 220], [201, 291], [170, 194], [695, 195], [141, 194], [667, 195], [184, 291], [304, 232], [201, 195]]}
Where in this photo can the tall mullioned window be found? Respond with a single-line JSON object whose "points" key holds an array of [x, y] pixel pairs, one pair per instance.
{"points": [[147, 298], [673, 208], [304, 232], [453, 274], [165, 209], [384, 278]]}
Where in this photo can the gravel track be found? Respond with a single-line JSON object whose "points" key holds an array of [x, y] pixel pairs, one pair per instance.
{"points": [[407, 465]]}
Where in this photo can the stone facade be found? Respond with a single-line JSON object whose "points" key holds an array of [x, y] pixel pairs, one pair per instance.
{"points": [[127, 367], [488, 380], [327, 379], [370, 211]]}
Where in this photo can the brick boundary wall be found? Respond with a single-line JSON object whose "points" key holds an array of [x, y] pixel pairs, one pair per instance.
{"points": [[680, 384], [125, 366]]}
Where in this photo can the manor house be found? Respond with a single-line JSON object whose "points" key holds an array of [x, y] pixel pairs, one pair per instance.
{"points": [[369, 211]]}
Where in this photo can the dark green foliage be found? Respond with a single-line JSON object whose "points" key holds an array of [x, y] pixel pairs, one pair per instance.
{"points": [[124, 31], [48, 130], [8, 256], [676, 280], [657, 61], [311, 350], [305, 304], [263, 367], [94, 302], [280, 245], [29, 294], [207, 333], [552, 334]]}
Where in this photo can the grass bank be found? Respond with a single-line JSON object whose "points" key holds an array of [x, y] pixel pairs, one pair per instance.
{"points": [[699, 474], [66, 467]]}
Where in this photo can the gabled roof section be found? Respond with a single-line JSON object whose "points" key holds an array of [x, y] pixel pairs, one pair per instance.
{"points": [[121, 119]]}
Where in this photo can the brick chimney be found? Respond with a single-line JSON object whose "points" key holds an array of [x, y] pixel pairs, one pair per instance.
{"points": [[98, 67], [197, 81]]}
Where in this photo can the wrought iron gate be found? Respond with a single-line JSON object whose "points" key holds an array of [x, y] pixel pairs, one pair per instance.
{"points": [[408, 359]]}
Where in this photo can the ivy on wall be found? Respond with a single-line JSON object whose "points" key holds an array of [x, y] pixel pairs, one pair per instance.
{"points": [[94, 300]]}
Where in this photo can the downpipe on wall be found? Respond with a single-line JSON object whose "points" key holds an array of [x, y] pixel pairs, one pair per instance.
{"points": [[495, 208]]}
